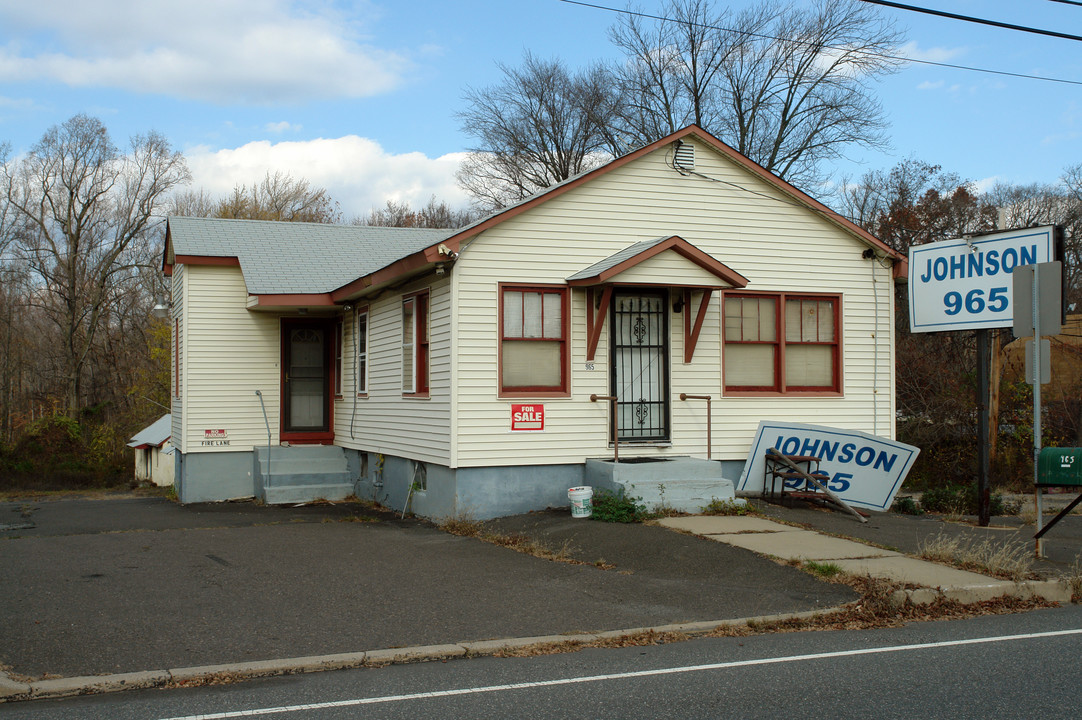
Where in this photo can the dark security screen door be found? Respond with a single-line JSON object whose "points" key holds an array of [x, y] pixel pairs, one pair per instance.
{"points": [[305, 363], [640, 371]]}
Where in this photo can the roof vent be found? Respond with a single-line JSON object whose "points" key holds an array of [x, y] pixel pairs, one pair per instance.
{"points": [[684, 157]]}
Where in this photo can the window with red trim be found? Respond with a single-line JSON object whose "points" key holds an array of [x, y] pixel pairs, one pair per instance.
{"points": [[415, 353], [778, 342], [533, 339]]}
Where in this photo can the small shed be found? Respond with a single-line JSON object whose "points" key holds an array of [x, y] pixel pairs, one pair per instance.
{"points": [[153, 453]]}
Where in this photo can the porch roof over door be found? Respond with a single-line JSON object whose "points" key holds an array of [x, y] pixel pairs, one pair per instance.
{"points": [[666, 261]]}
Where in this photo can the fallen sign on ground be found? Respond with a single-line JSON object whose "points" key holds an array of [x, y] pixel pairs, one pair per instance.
{"points": [[865, 470]]}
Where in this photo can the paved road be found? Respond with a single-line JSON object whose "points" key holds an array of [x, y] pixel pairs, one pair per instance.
{"points": [[1003, 666], [108, 586]]}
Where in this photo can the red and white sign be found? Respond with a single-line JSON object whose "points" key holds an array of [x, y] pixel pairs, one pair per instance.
{"points": [[527, 417], [214, 434]]}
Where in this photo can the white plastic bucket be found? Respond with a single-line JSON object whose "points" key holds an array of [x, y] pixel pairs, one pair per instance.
{"points": [[581, 501]]}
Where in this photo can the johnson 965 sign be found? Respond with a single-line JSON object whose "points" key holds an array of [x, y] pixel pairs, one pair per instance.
{"points": [[966, 284]]}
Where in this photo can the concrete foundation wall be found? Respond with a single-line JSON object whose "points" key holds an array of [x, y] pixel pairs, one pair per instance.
{"points": [[213, 477]]}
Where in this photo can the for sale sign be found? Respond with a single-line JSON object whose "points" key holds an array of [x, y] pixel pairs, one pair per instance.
{"points": [[965, 284], [527, 417]]}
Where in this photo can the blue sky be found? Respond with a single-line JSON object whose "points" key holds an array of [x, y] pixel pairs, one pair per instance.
{"points": [[360, 97]]}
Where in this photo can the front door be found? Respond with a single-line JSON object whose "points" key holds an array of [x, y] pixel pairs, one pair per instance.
{"points": [[640, 365], [305, 379]]}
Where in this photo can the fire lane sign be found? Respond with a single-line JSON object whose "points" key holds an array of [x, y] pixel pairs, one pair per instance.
{"points": [[965, 284]]}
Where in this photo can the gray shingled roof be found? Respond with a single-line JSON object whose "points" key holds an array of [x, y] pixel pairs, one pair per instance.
{"points": [[613, 260], [154, 434], [287, 257]]}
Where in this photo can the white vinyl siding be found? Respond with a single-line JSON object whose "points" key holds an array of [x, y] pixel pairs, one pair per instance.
{"points": [[176, 352], [231, 352], [776, 244], [386, 422]]}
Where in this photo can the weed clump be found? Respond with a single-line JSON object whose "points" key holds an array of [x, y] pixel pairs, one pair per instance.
{"points": [[1005, 560], [728, 507], [618, 507]]}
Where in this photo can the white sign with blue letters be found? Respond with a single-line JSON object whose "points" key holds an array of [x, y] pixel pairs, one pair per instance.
{"points": [[865, 470], [965, 284]]}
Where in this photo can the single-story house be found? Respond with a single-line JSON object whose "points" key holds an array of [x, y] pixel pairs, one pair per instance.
{"points": [[153, 453], [487, 369]]}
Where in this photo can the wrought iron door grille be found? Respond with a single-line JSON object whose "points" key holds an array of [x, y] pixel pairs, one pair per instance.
{"points": [[640, 351]]}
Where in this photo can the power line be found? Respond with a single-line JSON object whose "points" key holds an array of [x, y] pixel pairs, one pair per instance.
{"points": [[1068, 2], [969, 18], [933, 63]]}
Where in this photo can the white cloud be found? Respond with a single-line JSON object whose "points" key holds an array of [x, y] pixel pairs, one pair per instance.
{"points": [[356, 171], [926, 85], [985, 184], [281, 127], [227, 51], [936, 54]]}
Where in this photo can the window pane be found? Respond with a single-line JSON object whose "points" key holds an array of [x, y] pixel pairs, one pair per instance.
{"points": [[531, 364], [362, 333], [407, 321], [792, 321], [767, 322], [809, 366], [749, 366], [826, 321], [531, 321], [732, 319], [553, 319], [512, 313]]}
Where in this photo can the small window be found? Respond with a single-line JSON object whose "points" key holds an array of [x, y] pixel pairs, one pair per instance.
{"points": [[362, 352], [415, 353], [533, 340], [782, 343]]}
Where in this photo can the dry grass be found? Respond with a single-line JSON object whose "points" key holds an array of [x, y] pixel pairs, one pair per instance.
{"points": [[1073, 580], [466, 526], [1001, 559]]}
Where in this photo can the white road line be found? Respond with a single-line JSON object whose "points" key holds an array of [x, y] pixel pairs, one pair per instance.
{"points": [[617, 676]]}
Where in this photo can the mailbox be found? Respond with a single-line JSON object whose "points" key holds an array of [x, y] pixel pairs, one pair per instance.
{"points": [[1058, 467]]}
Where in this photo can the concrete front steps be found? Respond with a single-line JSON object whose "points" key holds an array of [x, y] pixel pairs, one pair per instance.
{"points": [[681, 483], [301, 473]]}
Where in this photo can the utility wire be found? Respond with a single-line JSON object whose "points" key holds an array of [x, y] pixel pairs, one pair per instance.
{"points": [[969, 18], [1068, 2], [840, 49]]}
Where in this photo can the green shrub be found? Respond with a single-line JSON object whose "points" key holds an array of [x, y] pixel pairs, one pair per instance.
{"points": [[963, 500], [617, 507], [906, 505]]}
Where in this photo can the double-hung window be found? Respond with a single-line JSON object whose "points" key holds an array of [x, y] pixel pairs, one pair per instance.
{"points": [[339, 337], [415, 344], [362, 352], [777, 342], [534, 331]]}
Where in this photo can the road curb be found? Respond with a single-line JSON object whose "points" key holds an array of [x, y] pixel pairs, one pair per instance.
{"points": [[11, 690], [1050, 590]]}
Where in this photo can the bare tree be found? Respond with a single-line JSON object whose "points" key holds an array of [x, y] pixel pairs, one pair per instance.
{"points": [[435, 214], [786, 85], [85, 216], [543, 124], [278, 196]]}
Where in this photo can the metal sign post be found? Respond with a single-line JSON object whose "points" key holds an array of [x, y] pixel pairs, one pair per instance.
{"points": [[1041, 285]]}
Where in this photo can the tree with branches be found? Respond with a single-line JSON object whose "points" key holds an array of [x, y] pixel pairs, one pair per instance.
{"points": [[85, 218]]}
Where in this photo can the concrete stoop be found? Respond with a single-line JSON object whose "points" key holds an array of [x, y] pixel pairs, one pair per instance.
{"points": [[301, 473], [686, 484]]}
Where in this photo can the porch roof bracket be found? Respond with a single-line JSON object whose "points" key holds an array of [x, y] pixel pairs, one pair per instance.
{"points": [[691, 333], [595, 322]]}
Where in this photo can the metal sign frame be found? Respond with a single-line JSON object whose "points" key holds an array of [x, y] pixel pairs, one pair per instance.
{"points": [[965, 284]]}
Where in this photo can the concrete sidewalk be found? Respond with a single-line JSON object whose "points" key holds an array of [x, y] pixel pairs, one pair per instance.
{"points": [[114, 594], [774, 539]]}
